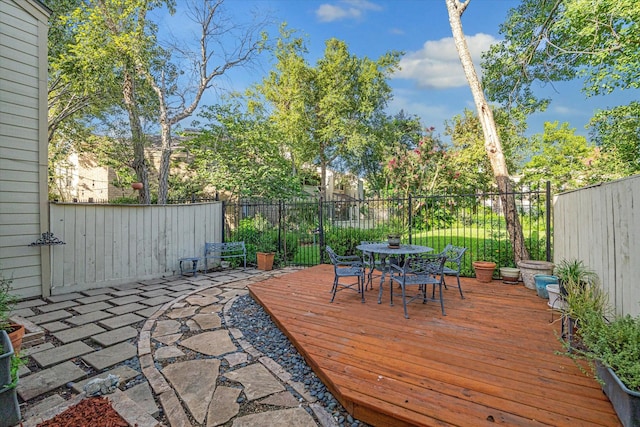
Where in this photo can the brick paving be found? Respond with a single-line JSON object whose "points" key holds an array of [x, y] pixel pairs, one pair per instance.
{"points": [[156, 336]]}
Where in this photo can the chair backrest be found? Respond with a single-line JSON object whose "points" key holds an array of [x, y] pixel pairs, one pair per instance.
{"points": [[453, 253], [424, 264], [332, 255]]}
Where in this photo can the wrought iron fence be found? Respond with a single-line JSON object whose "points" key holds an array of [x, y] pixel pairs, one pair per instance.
{"points": [[299, 230]]}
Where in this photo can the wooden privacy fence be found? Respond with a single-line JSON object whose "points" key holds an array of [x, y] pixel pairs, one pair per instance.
{"points": [[600, 225], [115, 244]]}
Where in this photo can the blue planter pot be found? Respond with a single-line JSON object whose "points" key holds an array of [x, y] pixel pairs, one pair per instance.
{"points": [[541, 281], [6, 353], [625, 402]]}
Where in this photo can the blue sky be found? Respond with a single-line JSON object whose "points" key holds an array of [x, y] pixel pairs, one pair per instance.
{"points": [[430, 83]]}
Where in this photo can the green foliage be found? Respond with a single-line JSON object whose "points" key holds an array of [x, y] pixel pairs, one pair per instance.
{"points": [[616, 343], [345, 240], [324, 113], [261, 171], [7, 302], [616, 131]]}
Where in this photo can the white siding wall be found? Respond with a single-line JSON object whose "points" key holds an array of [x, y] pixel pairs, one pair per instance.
{"points": [[600, 225], [23, 145], [114, 244]]}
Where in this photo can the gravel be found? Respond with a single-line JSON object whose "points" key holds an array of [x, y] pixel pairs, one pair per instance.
{"points": [[259, 330]]}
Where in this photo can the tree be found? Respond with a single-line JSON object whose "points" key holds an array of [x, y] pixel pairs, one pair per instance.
{"points": [[468, 154], [617, 133], [325, 112], [178, 99], [261, 170], [565, 159], [548, 41], [423, 169], [493, 147]]}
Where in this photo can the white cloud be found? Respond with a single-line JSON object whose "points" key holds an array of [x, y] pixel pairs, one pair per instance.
{"points": [[345, 9], [437, 64]]}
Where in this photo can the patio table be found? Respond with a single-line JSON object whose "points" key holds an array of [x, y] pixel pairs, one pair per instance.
{"points": [[385, 251]]}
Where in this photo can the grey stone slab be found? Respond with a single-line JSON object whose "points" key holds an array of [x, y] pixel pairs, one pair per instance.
{"points": [[153, 283], [94, 316], [155, 293], [44, 405], [127, 292], [57, 306], [285, 417], [214, 343], [224, 405], [29, 303], [120, 321], [166, 327], [132, 413], [36, 349], [48, 379], [55, 326], [169, 339], [23, 371], [184, 287], [189, 379], [157, 300], [125, 374], [98, 291], [88, 308], [61, 353], [110, 355], [142, 395], [95, 298], [257, 381], [126, 286], [148, 312], [78, 333], [201, 300], [115, 336], [168, 352], [180, 313], [64, 297], [127, 308], [50, 317], [236, 358], [22, 312], [126, 300], [208, 321]]}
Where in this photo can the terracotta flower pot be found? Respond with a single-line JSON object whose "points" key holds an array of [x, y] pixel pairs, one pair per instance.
{"points": [[265, 260], [16, 333], [484, 270], [137, 185]]}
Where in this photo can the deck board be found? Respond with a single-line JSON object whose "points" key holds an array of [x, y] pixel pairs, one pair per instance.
{"points": [[491, 360]]}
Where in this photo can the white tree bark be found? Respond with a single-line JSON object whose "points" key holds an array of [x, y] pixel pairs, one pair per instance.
{"points": [[492, 144]]}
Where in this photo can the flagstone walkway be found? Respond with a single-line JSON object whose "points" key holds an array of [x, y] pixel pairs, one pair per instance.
{"points": [[171, 343]]}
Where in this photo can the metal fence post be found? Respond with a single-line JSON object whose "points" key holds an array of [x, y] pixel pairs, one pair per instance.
{"points": [[410, 219], [548, 208], [320, 230]]}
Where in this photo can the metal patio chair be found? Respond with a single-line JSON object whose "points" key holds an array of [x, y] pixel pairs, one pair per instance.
{"points": [[420, 271], [346, 266], [453, 262]]}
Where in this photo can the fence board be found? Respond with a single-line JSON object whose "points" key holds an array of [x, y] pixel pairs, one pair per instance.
{"points": [[114, 244], [600, 226]]}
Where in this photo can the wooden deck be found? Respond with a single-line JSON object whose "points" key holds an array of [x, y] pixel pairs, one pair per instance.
{"points": [[491, 360]]}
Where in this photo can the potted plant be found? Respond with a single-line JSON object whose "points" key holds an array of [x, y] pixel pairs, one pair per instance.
{"points": [[7, 302], [484, 270], [574, 271], [612, 347], [265, 254], [395, 233]]}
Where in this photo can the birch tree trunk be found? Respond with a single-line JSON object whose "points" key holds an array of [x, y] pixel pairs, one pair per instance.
{"points": [[492, 144]]}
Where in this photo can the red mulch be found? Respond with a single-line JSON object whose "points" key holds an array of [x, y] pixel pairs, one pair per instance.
{"points": [[92, 411]]}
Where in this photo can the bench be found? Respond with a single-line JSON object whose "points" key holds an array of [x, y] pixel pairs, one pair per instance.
{"points": [[222, 251], [189, 265]]}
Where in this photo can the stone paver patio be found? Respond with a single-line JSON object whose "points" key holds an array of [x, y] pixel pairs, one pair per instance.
{"points": [[166, 339]]}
